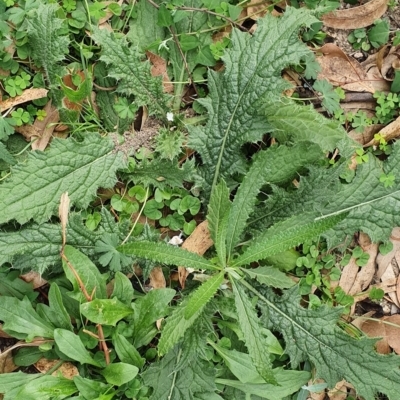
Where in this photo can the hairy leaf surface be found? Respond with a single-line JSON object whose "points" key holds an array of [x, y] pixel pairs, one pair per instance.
{"points": [[275, 165], [48, 46], [285, 235], [250, 326], [203, 294], [372, 207], [296, 122], [127, 66], [217, 217], [168, 382], [314, 334], [166, 254], [35, 187], [252, 71]]}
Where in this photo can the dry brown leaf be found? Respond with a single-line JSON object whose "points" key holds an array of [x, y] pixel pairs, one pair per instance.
{"points": [[366, 135], [384, 260], [6, 363], [109, 14], [159, 68], [390, 275], [357, 322], [29, 132], [342, 70], [356, 17], [45, 127], [389, 132], [27, 95], [367, 272], [339, 392], [317, 395], [348, 275], [393, 332], [257, 9], [157, 279], [198, 242], [67, 369], [376, 328], [35, 278], [63, 211]]}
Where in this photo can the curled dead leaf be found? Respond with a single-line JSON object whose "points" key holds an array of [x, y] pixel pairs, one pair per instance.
{"points": [[342, 70], [376, 328], [27, 95], [356, 17]]}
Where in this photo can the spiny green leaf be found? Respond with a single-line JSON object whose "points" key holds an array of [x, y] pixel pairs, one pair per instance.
{"points": [[37, 247], [48, 46], [166, 254], [270, 276], [252, 72], [251, 329], [171, 382], [5, 155], [296, 122], [275, 165], [314, 335], [162, 173], [285, 235], [217, 217], [290, 382], [203, 295], [133, 74], [35, 187], [176, 327], [371, 207]]}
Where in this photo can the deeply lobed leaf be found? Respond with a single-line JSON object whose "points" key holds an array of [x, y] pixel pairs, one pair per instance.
{"points": [[252, 72], [133, 75]]}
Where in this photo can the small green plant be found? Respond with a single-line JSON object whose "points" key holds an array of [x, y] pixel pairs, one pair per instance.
{"points": [[376, 36]]}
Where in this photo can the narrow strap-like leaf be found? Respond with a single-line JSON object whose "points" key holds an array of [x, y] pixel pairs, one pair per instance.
{"points": [[203, 294], [166, 254], [251, 329], [217, 219], [285, 235]]}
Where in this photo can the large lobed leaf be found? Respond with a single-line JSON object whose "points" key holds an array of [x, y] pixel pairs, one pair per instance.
{"points": [[35, 187], [372, 207], [252, 72], [196, 381], [133, 75], [314, 335]]}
